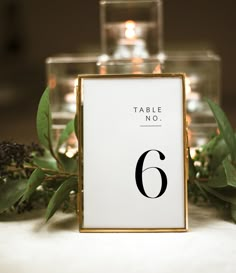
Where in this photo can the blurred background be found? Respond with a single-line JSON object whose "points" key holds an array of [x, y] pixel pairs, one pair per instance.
{"points": [[30, 31]]}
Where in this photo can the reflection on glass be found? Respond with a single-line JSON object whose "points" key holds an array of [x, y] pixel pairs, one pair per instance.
{"points": [[62, 77], [131, 29], [202, 69]]}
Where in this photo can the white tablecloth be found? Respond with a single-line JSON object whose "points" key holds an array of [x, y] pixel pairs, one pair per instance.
{"points": [[29, 246]]}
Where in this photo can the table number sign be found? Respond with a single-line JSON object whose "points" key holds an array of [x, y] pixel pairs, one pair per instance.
{"points": [[132, 153]]}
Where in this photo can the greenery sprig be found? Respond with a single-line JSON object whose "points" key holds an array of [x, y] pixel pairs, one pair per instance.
{"points": [[212, 172], [32, 177], [36, 177]]}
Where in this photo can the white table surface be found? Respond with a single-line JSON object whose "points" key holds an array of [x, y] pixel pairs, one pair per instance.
{"points": [[27, 245]]}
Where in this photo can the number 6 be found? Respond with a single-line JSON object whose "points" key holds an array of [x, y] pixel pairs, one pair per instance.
{"points": [[139, 174]]}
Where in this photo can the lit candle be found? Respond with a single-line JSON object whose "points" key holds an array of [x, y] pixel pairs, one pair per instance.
{"points": [[131, 42]]}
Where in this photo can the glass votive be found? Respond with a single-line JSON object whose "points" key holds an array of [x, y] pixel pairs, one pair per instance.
{"points": [[62, 77], [203, 80], [129, 66], [131, 28]]}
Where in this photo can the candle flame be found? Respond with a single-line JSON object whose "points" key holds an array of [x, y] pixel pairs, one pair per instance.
{"points": [[130, 32]]}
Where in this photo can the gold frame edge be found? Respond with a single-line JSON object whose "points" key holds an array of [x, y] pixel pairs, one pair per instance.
{"points": [[81, 156]]}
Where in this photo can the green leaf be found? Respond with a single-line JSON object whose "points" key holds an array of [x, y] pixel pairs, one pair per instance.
{"points": [[230, 172], [211, 144], [46, 161], [225, 128], [61, 195], [217, 151], [66, 133], [36, 179], [10, 192], [218, 180], [224, 176], [50, 164], [233, 212], [44, 124], [44, 120], [222, 196], [70, 165]]}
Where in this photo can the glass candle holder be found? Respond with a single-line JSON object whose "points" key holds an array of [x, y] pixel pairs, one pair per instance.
{"points": [[131, 28], [129, 66], [62, 78], [202, 69]]}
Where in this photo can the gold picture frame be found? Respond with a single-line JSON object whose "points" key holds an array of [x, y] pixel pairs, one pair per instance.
{"points": [[81, 105]]}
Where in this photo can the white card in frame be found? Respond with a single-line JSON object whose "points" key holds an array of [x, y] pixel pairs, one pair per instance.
{"points": [[132, 153]]}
